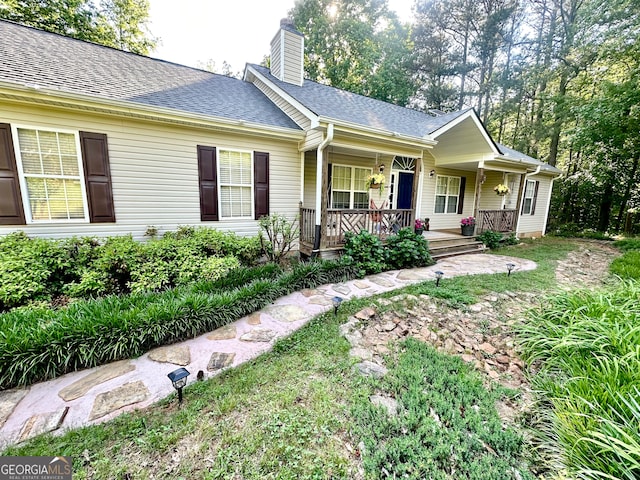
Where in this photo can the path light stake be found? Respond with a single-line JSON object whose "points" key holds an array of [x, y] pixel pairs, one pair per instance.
{"points": [[336, 304], [179, 380], [510, 266], [439, 276]]}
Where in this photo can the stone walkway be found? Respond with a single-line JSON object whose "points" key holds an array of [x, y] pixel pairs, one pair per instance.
{"points": [[99, 394]]}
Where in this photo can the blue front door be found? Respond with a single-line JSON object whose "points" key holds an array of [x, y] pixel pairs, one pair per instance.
{"points": [[405, 190]]}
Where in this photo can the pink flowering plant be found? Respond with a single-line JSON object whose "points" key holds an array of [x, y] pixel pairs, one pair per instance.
{"points": [[468, 221], [420, 225]]}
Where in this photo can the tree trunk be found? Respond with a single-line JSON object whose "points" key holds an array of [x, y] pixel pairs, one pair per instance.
{"points": [[627, 191], [606, 203]]}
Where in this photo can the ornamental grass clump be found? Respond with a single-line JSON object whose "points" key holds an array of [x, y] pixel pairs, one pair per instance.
{"points": [[40, 344], [584, 347]]}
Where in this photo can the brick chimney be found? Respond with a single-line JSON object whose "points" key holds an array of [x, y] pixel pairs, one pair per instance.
{"points": [[287, 54]]}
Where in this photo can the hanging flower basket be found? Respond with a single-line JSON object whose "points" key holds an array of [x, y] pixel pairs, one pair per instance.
{"points": [[376, 181], [501, 189]]}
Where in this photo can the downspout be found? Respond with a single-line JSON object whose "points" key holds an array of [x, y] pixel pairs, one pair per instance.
{"points": [[524, 189], [319, 181]]}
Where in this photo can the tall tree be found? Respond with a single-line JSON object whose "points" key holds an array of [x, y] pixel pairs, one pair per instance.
{"points": [[356, 45], [115, 23]]}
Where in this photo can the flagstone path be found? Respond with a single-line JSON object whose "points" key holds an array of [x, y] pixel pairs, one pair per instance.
{"points": [[99, 394]]}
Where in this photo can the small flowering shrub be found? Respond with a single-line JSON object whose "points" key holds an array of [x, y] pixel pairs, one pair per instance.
{"points": [[468, 221]]}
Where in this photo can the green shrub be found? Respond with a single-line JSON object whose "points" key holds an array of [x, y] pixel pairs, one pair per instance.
{"points": [[36, 269], [30, 269], [213, 242], [407, 250], [365, 251], [39, 344], [277, 236], [510, 240], [490, 238]]}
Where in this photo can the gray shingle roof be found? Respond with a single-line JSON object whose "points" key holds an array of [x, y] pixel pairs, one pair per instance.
{"points": [[511, 153], [33, 57], [331, 102]]}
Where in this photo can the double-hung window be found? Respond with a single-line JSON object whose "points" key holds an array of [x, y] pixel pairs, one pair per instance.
{"points": [[50, 167], [348, 187], [529, 197], [447, 194], [236, 184]]}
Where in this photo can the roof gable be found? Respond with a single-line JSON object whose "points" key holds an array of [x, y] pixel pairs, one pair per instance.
{"points": [[335, 104]]}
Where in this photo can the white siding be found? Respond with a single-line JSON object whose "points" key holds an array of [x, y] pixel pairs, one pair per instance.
{"points": [[489, 200], [444, 221], [293, 61], [291, 111], [154, 172], [531, 225]]}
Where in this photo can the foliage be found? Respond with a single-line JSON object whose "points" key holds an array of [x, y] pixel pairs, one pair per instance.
{"points": [[628, 265], [278, 236], [375, 179], [35, 269], [407, 250], [501, 189], [490, 238], [115, 23], [512, 239], [626, 244], [365, 251], [288, 414], [39, 344], [356, 45], [30, 269], [447, 422], [468, 222], [584, 346]]}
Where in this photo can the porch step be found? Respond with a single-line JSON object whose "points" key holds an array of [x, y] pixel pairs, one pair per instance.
{"points": [[450, 247]]}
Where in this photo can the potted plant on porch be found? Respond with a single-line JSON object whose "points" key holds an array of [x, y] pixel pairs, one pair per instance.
{"points": [[467, 226]]}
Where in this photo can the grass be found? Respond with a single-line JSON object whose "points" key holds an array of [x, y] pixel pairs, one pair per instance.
{"points": [[447, 425], [300, 411], [585, 347]]}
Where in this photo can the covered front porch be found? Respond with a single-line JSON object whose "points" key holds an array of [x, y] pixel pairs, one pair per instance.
{"points": [[383, 223]]}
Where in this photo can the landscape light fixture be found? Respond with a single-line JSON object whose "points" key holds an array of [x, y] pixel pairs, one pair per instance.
{"points": [[439, 276], [510, 267], [336, 304], [179, 380]]}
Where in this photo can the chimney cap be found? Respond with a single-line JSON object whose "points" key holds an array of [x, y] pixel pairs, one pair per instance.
{"points": [[288, 25], [286, 22]]}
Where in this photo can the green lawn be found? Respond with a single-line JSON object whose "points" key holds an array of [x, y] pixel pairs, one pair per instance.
{"points": [[301, 412]]}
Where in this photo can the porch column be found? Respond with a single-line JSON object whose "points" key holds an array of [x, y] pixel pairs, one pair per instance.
{"points": [[480, 178], [523, 179], [322, 184], [416, 182]]}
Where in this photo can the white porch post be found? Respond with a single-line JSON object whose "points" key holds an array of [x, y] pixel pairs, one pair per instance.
{"points": [[319, 187]]}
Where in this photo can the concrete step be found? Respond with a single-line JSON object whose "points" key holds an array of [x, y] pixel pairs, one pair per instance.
{"points": [[453, 250], [451, 241]]}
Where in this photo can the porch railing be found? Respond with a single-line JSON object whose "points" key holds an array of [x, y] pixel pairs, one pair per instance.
{"points": [[380, 223], [496, 220]]}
